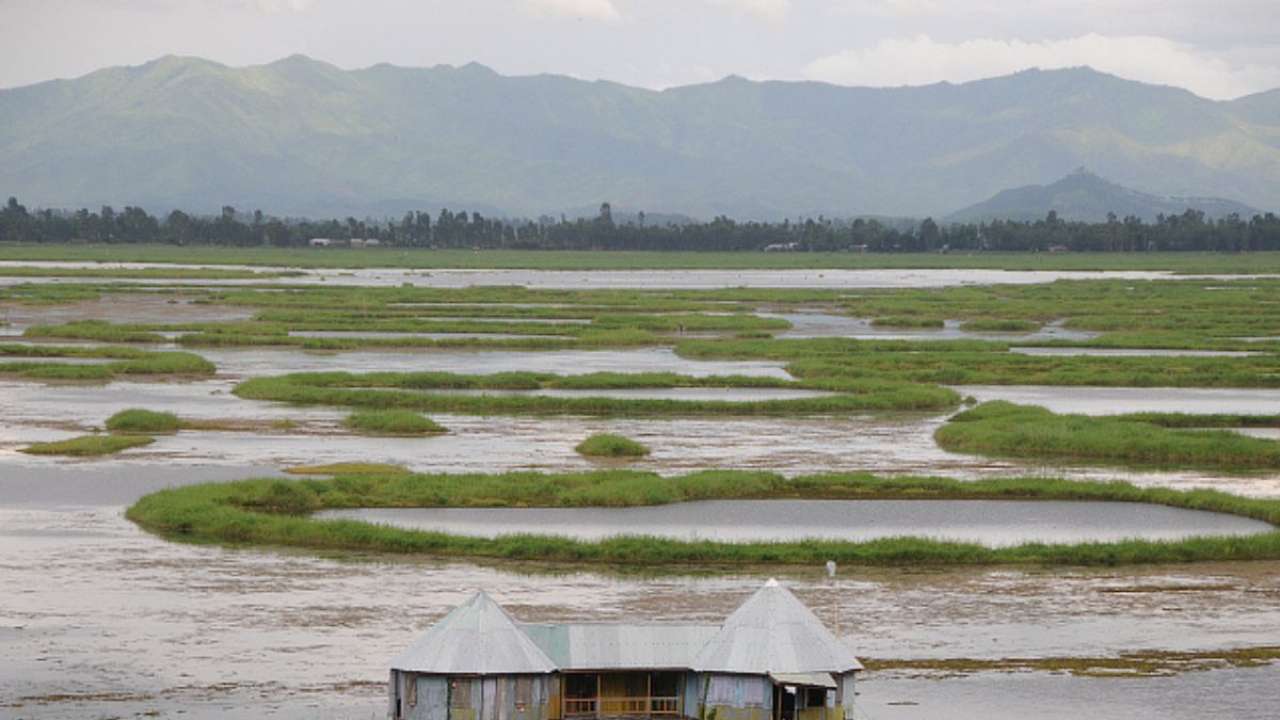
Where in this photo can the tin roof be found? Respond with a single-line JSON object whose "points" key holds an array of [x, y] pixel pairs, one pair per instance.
{"points": [[773, 632], [475, 638], [822, 680], [597, 646]]}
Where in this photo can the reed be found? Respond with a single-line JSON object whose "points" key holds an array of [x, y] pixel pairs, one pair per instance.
{"points": [[89, 445], [608, 445], [392, 422], [139, 421], [273, 512], [1007, 430]]}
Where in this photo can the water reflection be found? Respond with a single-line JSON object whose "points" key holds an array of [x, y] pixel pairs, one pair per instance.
{"points": [[994, 523]]}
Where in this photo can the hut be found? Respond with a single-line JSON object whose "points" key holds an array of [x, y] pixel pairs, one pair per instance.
{"points": [[771, 659]]}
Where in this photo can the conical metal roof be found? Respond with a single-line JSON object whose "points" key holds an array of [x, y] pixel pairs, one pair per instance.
{"points": [[773, 632], [475, 638]]}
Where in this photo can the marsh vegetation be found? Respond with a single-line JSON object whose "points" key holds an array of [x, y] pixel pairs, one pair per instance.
{"points": [[277, 512], [89, 445], [609, 445]]}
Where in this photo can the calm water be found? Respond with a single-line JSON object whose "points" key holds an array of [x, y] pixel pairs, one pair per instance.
{"points": [[99, 619], [995, 523], [1237, 694], [811, 325], [891, 443], [723, 394], [357, 334], [1114, 400], [259, 361], [621, 279]]}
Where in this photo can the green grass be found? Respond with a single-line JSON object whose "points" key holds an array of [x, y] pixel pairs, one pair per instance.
{"points": [[1007, 430], [136, 420], [124, 361], [89, 445], [1215, 420], [273, 512], [1009, 325], [96, 330], [608, 445], [392, 422], [909, 321], [984, 363], [1263, 262], [414, 392], [138, 273]]}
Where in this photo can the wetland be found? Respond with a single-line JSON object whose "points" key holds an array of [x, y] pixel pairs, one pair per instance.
{"points": [[774, 404]]}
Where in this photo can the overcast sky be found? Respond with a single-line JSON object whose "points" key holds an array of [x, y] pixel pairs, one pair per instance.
{"points": [[1216, 48]]}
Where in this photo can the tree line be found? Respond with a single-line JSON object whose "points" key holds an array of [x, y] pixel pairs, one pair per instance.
{"points": [[1190, 230]]}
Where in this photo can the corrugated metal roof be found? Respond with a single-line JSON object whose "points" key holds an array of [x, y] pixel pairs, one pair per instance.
{"points": [[823, 680], [595, 646], [773, 632], [475, 638]]}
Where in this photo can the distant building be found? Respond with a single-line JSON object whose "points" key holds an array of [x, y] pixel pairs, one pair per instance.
{"points": [[782, 247], [772, 659], [365, 242], [320, 242]]}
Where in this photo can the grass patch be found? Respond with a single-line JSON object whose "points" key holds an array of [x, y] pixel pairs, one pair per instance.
{"points": [[135, 420], [609, 445], [89, 445], [1007, 430], [392, 422], [95, 330], [413, 391], [274, 512], [909, 321], [1009, 325], [15, 359], [984, 363]]}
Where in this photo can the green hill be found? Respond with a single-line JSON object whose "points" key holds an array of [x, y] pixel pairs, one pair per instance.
{"points": [[1085, 196], [303, 137]]}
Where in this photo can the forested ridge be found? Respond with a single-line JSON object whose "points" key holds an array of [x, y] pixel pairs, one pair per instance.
{"points": [[1190, 231]]}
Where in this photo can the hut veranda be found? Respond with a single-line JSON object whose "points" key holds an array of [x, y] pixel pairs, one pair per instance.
{"points": [[772, 659]]}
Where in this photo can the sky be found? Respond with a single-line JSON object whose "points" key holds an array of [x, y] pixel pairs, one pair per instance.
{"points": [[1220, 49]]}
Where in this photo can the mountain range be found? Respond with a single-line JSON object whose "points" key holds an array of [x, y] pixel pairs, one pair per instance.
{"points": [[302, 137], [1084, 196]]}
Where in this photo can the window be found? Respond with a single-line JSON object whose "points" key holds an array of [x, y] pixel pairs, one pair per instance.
{"points": [[411, 689], [815, 697], [460, 693]]}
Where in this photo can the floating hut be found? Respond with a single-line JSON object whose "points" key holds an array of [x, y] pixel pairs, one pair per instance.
{"points": [[772, 659]]}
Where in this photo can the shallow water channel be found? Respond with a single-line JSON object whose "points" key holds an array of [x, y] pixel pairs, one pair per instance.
{"points": [[994, 523]]}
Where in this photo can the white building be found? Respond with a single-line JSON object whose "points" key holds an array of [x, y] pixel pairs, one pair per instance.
{"points": [[772, 659]]}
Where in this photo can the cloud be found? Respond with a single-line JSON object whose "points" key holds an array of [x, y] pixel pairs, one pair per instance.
{"points": [[276, 6], [771, 10], [583, 9], [920, 60], [890, 8]]}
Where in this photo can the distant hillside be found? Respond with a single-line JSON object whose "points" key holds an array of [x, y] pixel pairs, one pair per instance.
{"points": [[1085, 196], [299, 136]]}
